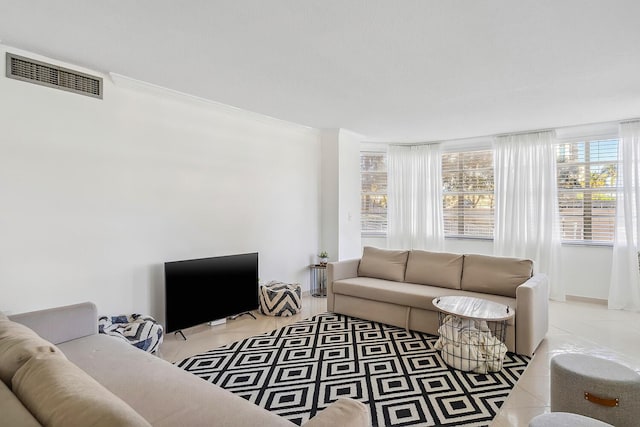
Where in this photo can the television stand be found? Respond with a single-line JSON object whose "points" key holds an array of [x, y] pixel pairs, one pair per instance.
{"points": [[181, 333], [235, 316]]}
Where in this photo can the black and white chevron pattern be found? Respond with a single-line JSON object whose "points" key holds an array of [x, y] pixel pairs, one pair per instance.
{"points": [[138, 330], [280, 299], [298, 370]]}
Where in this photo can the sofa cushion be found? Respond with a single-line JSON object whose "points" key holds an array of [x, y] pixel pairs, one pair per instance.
{"points": [[18, 344], [407, 294], [59, 393], [13, 411], [60, 324], [164, 394], [495, 275], [434, 268], [383, 263]]}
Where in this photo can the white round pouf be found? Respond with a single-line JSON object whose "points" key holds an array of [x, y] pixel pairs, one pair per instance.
{"points": [[595, 387], [564, 419]]}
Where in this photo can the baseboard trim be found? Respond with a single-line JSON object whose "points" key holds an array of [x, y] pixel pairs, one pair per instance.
{"points": [[587, 299]]}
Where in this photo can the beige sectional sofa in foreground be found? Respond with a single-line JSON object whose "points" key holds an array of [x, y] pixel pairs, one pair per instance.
{"points": [[56, 370], [397, 287]]}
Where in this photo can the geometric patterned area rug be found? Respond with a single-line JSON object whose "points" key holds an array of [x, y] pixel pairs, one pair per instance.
{"points": [[299, 369]]}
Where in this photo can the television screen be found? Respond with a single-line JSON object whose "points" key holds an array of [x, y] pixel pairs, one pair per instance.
{"points": [[207, 289]]}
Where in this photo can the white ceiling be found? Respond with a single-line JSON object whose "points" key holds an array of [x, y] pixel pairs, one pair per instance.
{"points": [[407, 70]]}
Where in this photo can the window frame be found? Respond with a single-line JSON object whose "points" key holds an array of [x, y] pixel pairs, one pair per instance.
{"points": [[587, 165], [381, 149], [461, 150], [563, 136]]}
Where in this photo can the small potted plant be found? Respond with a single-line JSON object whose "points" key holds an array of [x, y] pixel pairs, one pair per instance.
{"points": [[323, 257]]}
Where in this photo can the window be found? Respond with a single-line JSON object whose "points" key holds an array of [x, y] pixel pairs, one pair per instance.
{"points": [[467, 186], [587, 184], [373, 197]]}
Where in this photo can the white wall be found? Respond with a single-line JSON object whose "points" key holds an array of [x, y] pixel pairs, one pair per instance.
{"points": [[330, 189], [340, 193], [97, 194], [349, 197]]}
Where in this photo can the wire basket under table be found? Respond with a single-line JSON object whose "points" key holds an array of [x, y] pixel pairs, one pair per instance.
{"points": [[471, 345]]}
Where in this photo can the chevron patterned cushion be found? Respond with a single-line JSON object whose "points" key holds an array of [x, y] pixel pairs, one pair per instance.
{"points": [[141, 331], [280, 299]]}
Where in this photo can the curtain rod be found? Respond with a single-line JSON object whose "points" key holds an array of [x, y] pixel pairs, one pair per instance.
{"points": [[631, 120], [526, 132]]}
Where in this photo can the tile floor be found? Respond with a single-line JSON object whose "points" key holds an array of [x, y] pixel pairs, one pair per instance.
{"points": [[575, 326]]}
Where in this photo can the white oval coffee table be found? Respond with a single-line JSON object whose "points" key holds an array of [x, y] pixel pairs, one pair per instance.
{"points": [[472, 332], [473, 308]]}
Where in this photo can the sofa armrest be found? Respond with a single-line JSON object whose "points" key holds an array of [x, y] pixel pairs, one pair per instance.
{"points": [[61, 324], [339, 270], [532, 313], [344, 412]]}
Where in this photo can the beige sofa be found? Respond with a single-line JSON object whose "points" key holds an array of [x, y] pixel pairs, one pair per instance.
{"points": [[69, 375], [397, 287]]}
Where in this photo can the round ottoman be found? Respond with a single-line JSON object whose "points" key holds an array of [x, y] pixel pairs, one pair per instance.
{"points": [[595, 387], [138, 330], [564, 419], [280, 299]]}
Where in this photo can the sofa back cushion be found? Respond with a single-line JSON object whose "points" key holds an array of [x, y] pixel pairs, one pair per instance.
{"points": [[383, 263], [18, 344], [440, 269], [61, 324], [58, 393], [495, 275]]}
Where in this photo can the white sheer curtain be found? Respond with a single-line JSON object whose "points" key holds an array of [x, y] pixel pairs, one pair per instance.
{"points": [[624, 289], [414, 191], [526, 215]]}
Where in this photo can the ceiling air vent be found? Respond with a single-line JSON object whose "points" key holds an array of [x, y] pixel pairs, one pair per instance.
{"points": [[41, 73]]}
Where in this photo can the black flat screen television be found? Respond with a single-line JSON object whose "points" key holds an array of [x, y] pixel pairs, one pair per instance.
{"points": [[207, 289]]}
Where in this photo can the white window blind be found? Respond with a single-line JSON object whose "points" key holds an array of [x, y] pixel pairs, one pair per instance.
{"points": [[468, 185], [587, 184], [373, 198]]}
